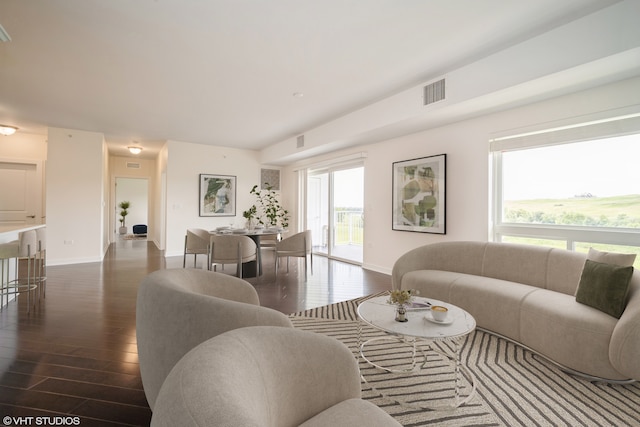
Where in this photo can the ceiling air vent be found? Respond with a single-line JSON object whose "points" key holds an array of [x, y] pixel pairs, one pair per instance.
{"points": [[132, 165], [300, 141], [434, 92]]}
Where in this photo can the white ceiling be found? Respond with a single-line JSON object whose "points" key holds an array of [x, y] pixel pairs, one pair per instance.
{"points": [[224, 72]]}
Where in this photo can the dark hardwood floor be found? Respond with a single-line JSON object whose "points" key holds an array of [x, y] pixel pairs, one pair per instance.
{"points": [[75, 354]]}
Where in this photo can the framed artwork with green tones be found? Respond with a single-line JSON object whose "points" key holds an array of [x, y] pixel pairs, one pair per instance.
{"points": [[217, 195], [419, 195]]}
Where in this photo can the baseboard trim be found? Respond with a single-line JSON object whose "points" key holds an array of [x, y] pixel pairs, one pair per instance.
{"points": [[377, 269]]}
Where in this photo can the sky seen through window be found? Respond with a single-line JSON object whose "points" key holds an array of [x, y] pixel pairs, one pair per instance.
{"points": [[600, 168]]}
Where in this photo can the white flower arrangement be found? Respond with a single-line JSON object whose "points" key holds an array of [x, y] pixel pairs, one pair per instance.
{"points": [[400, 297]]}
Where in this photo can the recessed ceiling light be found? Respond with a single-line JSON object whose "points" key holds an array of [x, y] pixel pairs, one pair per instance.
{"points": [[135, 150]]}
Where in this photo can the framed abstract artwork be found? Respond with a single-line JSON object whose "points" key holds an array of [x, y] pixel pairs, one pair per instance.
{"points": [[217, 195], [270, 178], [419, 195]]}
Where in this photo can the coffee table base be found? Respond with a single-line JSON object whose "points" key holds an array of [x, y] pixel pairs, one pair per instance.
{"points": [[425, 360]]}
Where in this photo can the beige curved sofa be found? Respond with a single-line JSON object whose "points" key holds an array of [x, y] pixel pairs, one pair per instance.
{"points": [[263, 377], [527, 294], [177, 309]]}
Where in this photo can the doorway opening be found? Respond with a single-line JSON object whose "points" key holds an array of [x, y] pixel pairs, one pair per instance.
{"points": [[136, 192], [335, 212]]}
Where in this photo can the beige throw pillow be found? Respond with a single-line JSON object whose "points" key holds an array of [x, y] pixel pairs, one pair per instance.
{"points": [[622, 260]]}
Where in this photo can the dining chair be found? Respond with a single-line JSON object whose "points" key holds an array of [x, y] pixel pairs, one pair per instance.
{"points": [[196, 242], [298, 245], [269, 241], [232, 249]]}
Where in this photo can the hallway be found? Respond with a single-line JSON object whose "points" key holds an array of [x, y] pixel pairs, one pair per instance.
{"points": [[75, 355]]}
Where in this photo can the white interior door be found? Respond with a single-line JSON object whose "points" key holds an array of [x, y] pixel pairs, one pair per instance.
{"points": [[20, 194]]}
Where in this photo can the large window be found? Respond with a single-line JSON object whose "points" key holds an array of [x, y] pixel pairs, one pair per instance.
{"points": [[572, 195]]}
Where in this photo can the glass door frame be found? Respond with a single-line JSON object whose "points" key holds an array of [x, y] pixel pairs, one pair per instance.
{"points": [[330, 209]]}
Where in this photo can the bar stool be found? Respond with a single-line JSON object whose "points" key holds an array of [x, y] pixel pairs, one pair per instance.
{"points": [[8, 251], [41, 235], [26, 250]]}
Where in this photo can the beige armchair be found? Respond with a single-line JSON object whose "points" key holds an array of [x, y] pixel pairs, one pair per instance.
{"points": [[177, 309], [230, 249], [267, 377], [196, 242], [298, 245]]}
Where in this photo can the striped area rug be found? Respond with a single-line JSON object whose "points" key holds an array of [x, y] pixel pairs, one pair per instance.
{"points": [[514, 386]]}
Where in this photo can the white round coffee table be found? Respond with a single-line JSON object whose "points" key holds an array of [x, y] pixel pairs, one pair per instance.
{"points": [[420, 334]]}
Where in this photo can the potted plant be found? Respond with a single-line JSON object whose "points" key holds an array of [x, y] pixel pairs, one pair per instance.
{"points": [[272, 214], [124, 205], [400, 298], [249, 215]]}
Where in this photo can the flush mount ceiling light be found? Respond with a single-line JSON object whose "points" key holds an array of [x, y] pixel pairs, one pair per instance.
{"points": [[135, 150], [7, 130]]}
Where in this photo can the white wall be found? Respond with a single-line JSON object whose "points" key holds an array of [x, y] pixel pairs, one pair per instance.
{"points": [[105, 196], [23, 146], [158, 213], [75, 196], [468, 178], [185, 163]]}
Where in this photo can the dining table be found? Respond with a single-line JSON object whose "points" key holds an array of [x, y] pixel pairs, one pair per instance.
{"points": [[251, 268]]}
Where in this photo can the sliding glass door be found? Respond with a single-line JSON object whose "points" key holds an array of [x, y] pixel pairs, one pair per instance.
{"points": [[335, 212], [318, 211]]}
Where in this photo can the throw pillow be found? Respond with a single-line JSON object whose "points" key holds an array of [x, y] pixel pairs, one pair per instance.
{"points": [[605, 287], [623, 260]]}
